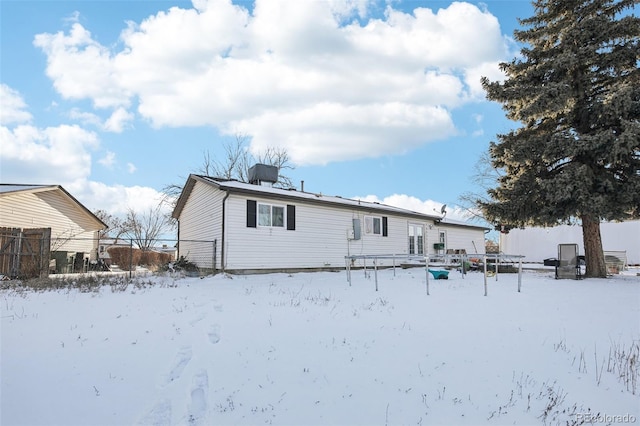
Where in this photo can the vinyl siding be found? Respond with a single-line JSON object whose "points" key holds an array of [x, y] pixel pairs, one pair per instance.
{"points": [[320, 239], [200, 225], [458, 238], [72, 229]]}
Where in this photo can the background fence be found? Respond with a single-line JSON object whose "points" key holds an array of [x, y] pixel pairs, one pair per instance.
{"points": [[33, 253]]}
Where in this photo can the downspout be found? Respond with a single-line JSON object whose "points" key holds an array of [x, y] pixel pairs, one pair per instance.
{"points": [[222, 253]]}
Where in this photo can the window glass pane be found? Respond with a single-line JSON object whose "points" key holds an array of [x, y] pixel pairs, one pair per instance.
{"points": [[420, 245], [368, 225], [278, 216], [411, 242], [376, 225], [264, 215]]}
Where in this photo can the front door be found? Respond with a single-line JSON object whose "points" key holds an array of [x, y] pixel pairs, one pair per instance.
{"points": [[416, 239]]}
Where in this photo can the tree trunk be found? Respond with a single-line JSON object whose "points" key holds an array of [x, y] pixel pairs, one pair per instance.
{"points": [[594, 255]]}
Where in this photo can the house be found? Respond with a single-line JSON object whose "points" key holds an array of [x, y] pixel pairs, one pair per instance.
{"points": [[250, 227], [106, 243], [538, 244], [166, 249], [49, 216]]}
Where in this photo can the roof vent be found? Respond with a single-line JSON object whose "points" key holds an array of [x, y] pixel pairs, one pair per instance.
{"points": [[263, 174]]}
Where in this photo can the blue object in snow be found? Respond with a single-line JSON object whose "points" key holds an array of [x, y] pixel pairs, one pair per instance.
{"points": [[439, 275]]}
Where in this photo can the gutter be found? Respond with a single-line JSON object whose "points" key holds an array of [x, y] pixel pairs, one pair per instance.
{"points": [[222, 253]]}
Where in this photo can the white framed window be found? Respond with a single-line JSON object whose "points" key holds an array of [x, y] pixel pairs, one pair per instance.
{"points": [[373, 225], [270, 215], [416, 239]]}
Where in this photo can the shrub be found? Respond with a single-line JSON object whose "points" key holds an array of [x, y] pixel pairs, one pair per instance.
{"points": [[152, 260], [123, 257]]}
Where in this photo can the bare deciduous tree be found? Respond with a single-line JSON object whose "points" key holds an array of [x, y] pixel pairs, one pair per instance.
{"points": [[485, 176], [235, 164], [115, 225], [145, 229]]}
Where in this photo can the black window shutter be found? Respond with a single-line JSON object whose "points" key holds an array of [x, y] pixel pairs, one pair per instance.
{"points": [[291, 217], [251, 213], [385, 231]]}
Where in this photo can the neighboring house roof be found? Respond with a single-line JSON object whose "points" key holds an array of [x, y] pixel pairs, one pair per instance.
{"points": [[7, 189], [234, 186]]}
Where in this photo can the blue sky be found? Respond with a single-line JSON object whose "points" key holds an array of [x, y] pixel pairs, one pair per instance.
{"points": [[114, 100]]}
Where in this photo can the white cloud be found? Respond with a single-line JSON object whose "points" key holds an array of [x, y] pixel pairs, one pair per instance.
{"points": [[12, 108], [118, 121], [85, 118], [116, 199], [289, 74], [62, 156], [131, 168], [330, 132], [81, 68], [108, 160], [35, 154]]}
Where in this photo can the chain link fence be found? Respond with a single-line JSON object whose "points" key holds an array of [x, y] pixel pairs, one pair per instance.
{"points": [[33, 253]]}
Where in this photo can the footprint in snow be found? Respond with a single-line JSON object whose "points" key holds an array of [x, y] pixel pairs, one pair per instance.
{"points": [[182, 359], [214, 334], [198, 319], [198, 406], [159, 415]]}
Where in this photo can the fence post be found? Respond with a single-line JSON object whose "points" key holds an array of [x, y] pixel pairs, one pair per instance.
{"points": [[426, 268], [18, 255], [215, 250], [484, 263], [130, 258], [375, 269], [519, 274]]}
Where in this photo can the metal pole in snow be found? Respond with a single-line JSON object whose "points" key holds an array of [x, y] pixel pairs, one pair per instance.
{"points": [[484, 262], [375, 271], [519, 275], [130, 258], [347, 267], [364, 261], [426, 269], [394, 264]]}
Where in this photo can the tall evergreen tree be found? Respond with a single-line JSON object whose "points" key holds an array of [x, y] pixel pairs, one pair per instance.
{"points": [[576, 93]]}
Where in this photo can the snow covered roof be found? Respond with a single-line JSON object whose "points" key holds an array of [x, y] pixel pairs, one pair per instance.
{"points": [[235, 186]]}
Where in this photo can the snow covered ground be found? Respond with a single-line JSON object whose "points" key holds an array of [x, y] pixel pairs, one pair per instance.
{"points": [[308, 349]]}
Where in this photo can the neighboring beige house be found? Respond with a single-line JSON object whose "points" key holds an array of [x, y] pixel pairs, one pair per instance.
{"points": [[245, 227], [73, 228]]}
